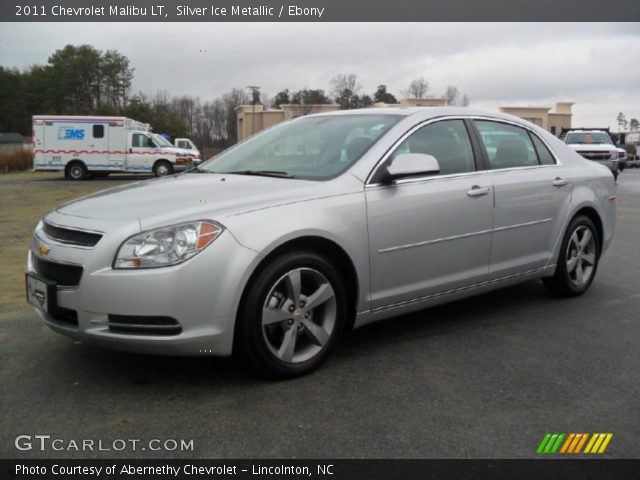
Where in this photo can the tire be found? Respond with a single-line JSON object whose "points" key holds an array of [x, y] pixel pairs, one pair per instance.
{"points": [[577, 261], [162, 168], [279, 339], [76, 171]]}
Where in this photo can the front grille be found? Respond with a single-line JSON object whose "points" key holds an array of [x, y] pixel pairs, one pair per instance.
{"points": [[596, 155], [71, 237], [142, 325], [64, 275]]}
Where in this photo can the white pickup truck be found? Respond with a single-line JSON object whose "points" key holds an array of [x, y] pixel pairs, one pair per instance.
{"points": [[97, 146], [595, 145], [188, 145]]}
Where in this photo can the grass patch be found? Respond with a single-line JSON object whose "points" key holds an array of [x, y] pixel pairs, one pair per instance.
{"points": [[24, 199], [15, 161]]}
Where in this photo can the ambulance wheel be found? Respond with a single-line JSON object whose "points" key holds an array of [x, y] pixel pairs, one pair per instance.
{"points": [[162, 168], [75, 171]]}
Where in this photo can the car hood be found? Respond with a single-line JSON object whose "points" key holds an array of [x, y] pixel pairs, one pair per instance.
{"points": [[592, 147], [191, 195]]}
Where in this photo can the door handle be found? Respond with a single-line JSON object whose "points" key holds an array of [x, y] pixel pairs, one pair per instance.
{"points": [[560, 182], [477, 191]]}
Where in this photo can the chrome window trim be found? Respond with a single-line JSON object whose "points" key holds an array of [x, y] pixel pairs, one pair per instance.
{"points": [[429, 121]]}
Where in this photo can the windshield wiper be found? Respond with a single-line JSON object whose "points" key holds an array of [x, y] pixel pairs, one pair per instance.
{"points": [[262, 173], [197, 170]]}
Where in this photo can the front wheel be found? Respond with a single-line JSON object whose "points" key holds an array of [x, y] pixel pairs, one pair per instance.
{"points": [[294, 313], [578, 259], [162, 168]]}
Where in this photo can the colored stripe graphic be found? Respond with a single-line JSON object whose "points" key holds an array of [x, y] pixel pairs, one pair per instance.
{"points": [[573, 443], [550, 443], [598, 443]]}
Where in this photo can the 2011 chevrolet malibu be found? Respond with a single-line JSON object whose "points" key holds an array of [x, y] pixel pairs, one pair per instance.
{"points": [[323, 223]]}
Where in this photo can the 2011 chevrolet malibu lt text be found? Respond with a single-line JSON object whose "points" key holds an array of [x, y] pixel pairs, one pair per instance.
{"points": [[323, 223]]}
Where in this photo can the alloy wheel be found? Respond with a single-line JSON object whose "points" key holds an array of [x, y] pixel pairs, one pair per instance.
{"points": [[581, 256], [299, 315]]}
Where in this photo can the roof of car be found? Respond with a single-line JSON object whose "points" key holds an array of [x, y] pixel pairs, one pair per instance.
{"points": [[425, 112]]}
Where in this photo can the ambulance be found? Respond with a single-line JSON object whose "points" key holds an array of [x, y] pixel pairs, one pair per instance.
{"points": [[86, 147]]}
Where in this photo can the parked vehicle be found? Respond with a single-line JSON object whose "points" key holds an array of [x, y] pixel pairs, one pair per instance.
{"points": [[98, 146], [188, 145], [622, 158], [595, 145], [319, 224]]}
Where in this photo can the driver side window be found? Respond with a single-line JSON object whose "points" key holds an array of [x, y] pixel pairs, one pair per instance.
{"points": [[139, 140], [447, 141]]}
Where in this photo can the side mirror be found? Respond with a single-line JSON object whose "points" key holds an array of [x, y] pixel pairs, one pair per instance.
{"points": [[412, 165]]}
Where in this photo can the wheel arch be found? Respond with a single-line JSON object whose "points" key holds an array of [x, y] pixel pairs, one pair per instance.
{"points": [[317, 244]]}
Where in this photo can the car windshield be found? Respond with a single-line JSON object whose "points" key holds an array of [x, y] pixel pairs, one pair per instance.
{"points": [[161, 141], [588, 137], [315, 148]]}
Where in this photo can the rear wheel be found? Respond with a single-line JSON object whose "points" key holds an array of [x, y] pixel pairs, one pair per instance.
{"points": [[162, 168], [578, 259], [294, 312], [76, 171]]}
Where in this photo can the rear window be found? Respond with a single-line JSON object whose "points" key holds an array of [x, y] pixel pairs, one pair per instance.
{"points": [[544, 155]]}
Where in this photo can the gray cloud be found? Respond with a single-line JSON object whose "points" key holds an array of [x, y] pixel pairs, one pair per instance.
{"points": [[595, 65]]}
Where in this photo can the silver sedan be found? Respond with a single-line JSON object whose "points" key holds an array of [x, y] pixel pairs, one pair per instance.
{"points": [[327, 222]]}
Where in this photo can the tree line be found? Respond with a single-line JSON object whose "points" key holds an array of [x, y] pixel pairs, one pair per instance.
{"points": [[81, 80]]}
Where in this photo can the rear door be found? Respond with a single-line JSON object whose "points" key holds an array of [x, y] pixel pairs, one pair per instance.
{"points": [[532, 195], [98, 143]]}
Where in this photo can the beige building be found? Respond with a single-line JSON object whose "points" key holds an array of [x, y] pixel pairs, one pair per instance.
{"points": [[553, 122], [414, 102], [253, 118]]}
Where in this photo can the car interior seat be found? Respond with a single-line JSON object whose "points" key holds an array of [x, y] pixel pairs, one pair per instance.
{"points": [[444, 146], [511, 152]]}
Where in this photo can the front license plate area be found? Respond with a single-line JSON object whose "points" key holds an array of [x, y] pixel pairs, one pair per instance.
{"points": [[41, 293]]}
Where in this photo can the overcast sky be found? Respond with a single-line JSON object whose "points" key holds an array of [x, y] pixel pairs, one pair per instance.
{"points": [[595, 65]]}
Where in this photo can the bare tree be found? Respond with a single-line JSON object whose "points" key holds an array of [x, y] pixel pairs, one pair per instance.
{"points": [[452, 95], [418, 88], [344, 87], [465, 100]]}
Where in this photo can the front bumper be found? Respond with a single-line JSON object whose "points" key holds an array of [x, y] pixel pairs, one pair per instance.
{"points": [[201, 295], [181, 167]]}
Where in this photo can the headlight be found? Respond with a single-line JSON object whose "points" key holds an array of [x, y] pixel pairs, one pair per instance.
{"points": [[614, 155], [166, 246]]}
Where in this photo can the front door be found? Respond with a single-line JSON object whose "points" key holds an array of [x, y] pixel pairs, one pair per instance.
{"points": [[141, 154], [432, 234]]}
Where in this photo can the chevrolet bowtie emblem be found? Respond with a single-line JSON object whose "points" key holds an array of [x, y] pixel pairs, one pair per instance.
{"points": [[43, 250]]}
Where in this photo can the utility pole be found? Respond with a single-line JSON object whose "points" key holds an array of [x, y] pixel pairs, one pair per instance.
{"points": [[255, 94]]}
